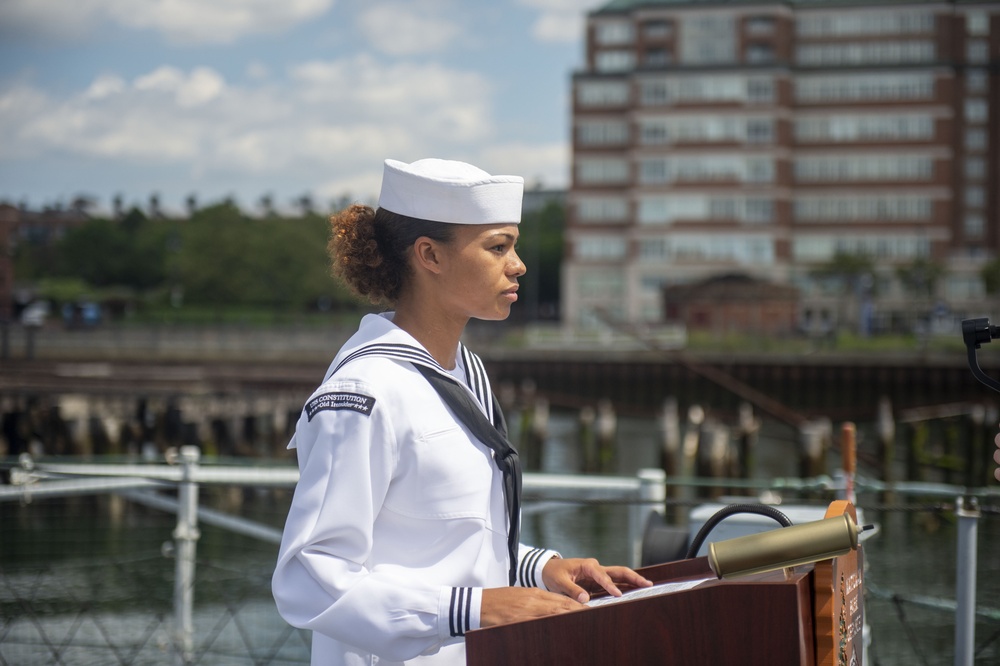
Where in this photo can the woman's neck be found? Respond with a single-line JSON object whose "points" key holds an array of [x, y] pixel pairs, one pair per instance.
{"points": [[438, 334]]}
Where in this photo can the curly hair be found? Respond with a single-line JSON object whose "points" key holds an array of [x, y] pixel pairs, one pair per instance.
{"points": [[369, 249]]}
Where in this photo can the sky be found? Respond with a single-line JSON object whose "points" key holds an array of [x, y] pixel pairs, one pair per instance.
{"points": [[283, 98]]}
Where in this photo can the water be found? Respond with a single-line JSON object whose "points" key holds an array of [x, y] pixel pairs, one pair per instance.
{"points": [[89, 580]]}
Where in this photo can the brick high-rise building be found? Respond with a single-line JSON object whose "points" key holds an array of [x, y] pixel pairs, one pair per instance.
{"points": [[769, 137]]}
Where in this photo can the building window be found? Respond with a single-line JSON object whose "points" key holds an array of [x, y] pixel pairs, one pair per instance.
{"points": [[605, 133], [731, 248], [977, 51], [760, 25], [593, 283], [976, 81], [708, 39], [760, 90], [614, 61], [759, 170], [757, 54], [974, 225], [759, 210], [598, 171], [760, 130], [666, 210], [833, 209], [613, 33], [867, 168], [655, 93], [975, 138], [653, 249], [602, 209], [964, 288], [977, 23], [865, 23], [975, 168], [864, 87], [976, 110], [653, 171], [656, 57], [824, 248], [659, 29], [654, 132], [872, 127], [600, 248], [974, 196], [866, 53], [602, 93]]}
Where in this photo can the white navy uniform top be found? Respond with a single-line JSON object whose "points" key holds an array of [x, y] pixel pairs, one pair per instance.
{"points": [[398, 520]]}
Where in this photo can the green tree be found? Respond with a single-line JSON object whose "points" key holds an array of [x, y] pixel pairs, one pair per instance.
{"points": [[541, 249], [855, 277], [103, 253], [990, 273], [226, 258], [921, 276]]}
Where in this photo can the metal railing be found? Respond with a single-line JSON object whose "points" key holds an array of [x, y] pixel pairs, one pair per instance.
{"points": [[644, 493]]}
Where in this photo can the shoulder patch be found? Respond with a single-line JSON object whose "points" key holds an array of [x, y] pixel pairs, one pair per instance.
{"points": [[357, 402]]}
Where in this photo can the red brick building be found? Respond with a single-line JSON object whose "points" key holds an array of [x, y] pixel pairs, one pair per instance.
{"points": [[769, 137], [733, 303]]}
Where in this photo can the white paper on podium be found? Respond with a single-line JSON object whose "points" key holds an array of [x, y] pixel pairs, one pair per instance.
{"points": [[654, 591]]}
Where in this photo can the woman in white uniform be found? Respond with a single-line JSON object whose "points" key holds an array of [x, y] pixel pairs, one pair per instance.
{"points": [[403, 530]]}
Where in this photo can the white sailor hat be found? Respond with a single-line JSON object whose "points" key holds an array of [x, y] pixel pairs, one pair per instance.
{"points": [[450, 191]]}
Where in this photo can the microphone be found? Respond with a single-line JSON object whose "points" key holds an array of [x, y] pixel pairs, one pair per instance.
{"points": [[785, 547]]}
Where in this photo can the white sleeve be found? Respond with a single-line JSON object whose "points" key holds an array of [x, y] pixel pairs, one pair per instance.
{"points": [[320, 582], [530, 562]]}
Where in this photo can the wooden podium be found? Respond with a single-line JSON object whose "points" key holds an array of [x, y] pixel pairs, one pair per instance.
{"points": [[810, 615]]}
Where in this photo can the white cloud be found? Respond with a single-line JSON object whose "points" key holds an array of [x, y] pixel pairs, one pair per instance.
{"points": [[104, 86], [539, 164], [407, 28], [200, 87], [561, 20], [326, 125], [184, 21]]}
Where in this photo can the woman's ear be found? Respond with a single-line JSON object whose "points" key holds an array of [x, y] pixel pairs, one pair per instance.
{"points": [[428, 254]]}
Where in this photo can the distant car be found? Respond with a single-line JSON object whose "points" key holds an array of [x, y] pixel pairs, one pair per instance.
{"points": [[35, 314]]}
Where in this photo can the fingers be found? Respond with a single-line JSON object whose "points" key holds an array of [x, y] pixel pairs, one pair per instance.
{"points": [[624, 576], [996, 457], [510, 604], [575, 576]]}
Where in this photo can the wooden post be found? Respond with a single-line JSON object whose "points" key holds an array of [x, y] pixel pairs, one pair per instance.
{"points": [[886, 428], [976, 447], [539, 433], [689, 448], [748, 427], [815, 441], [607, 429], [848, 455], [670, 431], [587, 440]]}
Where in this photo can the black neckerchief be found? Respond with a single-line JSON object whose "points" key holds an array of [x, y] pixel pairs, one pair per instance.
{"points": [[493, 435]]}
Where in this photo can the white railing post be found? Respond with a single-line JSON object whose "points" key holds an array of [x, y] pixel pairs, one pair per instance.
{"points": [[652, 498], [185, 543], [967, 510]]}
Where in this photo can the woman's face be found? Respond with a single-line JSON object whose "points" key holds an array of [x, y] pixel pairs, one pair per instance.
{"points": [[480, 272]]}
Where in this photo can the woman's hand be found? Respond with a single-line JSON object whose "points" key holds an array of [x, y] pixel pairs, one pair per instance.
{"points": [[566, 575], [510, 604]]}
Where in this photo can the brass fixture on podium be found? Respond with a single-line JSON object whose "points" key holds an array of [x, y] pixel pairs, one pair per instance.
{"points": [[785, 547]]}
